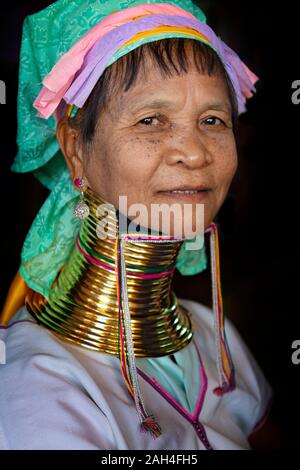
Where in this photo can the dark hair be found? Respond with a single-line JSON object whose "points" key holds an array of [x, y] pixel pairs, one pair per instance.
{"points": [[170, 55]]}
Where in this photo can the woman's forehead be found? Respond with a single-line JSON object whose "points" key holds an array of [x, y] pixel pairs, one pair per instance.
{"points": [[159, 92]]}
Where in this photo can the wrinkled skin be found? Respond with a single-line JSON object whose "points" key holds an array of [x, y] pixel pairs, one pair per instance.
{"points": [[164, 133]]}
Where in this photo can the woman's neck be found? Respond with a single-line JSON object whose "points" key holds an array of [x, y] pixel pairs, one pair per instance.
{"points": [[84, 301]]}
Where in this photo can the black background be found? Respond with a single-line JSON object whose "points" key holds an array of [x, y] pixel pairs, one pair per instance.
{"points": [[259, 243]]}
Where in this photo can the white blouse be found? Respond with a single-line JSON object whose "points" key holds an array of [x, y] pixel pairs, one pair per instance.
{"points": [[55, 395]]}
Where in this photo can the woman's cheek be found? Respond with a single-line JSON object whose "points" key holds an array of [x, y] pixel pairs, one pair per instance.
{"points": [[227, 160]]}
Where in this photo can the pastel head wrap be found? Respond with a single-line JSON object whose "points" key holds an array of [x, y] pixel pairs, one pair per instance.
{"points": [[65, 49]]}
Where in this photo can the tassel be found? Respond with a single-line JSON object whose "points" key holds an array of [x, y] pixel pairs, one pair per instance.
{"points": [[224, 362], [148, 422]]}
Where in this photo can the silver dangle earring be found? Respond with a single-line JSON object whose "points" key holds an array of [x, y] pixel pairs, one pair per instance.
{"points": [[81, 211]]}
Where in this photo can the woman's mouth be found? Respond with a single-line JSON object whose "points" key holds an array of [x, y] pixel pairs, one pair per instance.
{"points": [[187, 194]]}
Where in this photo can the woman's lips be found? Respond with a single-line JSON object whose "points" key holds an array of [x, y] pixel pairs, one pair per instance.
{"points": [[191, 195]]}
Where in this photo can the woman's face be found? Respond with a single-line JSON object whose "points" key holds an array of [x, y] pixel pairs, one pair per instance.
{"points": [[162, 136]]}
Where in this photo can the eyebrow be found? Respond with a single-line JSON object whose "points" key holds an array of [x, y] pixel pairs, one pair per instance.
{"points": [[155, 103]]}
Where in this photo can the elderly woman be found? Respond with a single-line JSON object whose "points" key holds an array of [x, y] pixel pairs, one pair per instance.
{"points": [[138, 100]]}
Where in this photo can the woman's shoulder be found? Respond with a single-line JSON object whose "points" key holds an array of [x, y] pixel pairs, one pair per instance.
{"points": [[252, 396], [43, 387], [204, 324], [24, 340], [33, 351]]}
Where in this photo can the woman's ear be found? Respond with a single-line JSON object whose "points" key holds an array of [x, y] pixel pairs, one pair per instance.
{"points": [[68, 139]]}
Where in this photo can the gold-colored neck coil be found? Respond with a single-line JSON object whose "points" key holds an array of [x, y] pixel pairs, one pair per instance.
{"points": [[82, 306]]}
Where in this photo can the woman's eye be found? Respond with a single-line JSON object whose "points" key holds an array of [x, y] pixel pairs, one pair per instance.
{"points": [[213, 121], [148, 121]]}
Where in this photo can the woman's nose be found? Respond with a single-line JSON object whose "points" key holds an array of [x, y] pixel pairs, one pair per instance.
{"points": [[189, 149]]}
